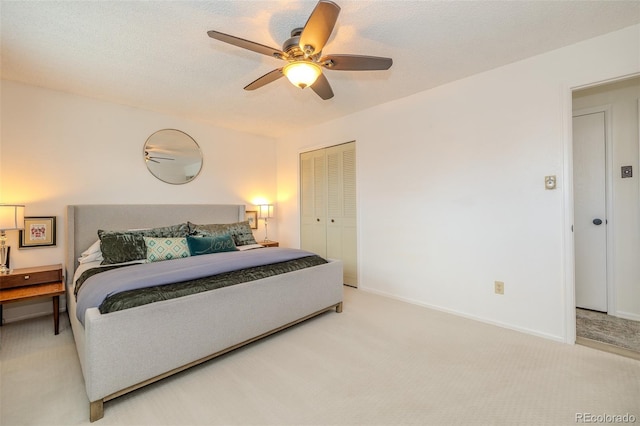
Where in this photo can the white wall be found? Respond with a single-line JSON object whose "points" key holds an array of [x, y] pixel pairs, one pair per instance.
{"points": [[59, 149], [624, 220], [451, 187]]}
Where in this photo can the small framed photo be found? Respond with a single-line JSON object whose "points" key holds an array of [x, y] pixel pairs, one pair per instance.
{"points": [[252, 217], [39, 231]]}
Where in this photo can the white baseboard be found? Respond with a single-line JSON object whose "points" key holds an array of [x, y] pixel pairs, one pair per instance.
{"points": [[555, 338], [626, 315]]}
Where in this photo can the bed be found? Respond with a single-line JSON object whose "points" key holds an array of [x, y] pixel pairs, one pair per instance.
{"points": [[124, 350]]}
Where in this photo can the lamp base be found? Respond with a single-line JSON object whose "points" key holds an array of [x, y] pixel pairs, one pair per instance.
{"points": [[5, 251]]}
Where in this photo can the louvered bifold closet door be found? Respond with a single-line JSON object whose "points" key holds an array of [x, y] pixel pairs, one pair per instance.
{"points": [[328, 224], [341, 209], [313, 205]]}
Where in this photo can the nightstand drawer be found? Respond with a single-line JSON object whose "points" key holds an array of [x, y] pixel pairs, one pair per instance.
{"points": [[30, 276]]}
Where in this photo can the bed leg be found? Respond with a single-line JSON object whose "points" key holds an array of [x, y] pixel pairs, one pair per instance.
{"points": [[96, 410], [339, 307]]}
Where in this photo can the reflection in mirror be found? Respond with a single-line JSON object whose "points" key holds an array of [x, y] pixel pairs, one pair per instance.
{"points": [[172, 156]]}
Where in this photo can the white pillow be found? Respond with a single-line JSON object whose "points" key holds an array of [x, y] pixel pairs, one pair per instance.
{"points": [[91, 254], [95, 247], [249, 247], [91, 258]]}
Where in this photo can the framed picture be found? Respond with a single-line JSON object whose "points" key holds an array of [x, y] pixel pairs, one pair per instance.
{"points": [[39, 231], [252, 217]]}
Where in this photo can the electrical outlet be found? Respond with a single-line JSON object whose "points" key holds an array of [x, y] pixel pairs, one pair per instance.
{"points": [[498, 287]]}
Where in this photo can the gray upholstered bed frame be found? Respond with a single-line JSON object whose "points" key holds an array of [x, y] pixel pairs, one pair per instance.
{"points": [[125, 350]]}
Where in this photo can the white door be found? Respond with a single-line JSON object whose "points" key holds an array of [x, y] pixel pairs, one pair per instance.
{"points": [[590, 221], [313, 188], [341, 209]]}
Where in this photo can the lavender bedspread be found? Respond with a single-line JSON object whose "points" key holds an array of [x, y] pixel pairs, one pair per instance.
{"points": [[98, 287]]}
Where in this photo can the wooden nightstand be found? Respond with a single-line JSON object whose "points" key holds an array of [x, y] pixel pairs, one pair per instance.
{"points": [[269, 243], [32, 283]]}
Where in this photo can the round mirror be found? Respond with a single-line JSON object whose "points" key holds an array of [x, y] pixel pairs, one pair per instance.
{"points": [[172, 156]]}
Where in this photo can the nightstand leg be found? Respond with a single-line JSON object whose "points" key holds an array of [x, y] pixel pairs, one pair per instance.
{"points": [[56, 313]]}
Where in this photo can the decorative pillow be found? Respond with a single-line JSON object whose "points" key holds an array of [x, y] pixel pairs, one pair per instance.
{"points": [[126, 246], [208, 245], [172, 231], [159, 249], [119, 247], [239, 231]]}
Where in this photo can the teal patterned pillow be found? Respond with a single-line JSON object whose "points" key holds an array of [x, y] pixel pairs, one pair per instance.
{"points": [[240, 231], [159, 249], [208, 245]]}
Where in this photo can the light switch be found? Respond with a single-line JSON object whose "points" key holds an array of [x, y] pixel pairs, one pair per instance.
{"points": [[550, 182]]}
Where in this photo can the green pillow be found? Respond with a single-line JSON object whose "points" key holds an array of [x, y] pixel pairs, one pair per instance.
{"points": [[240, 231], [119, 247], [208, 245]]}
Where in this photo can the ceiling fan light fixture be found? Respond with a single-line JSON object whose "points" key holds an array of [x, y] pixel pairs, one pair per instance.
{"points": [[302, 73]]}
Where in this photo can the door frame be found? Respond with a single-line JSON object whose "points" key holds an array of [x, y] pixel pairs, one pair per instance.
{"points": [[567, 201], [610, 225]]}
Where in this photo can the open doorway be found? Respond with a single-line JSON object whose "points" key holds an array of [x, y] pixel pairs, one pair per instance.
{"points": [[606, 127]]}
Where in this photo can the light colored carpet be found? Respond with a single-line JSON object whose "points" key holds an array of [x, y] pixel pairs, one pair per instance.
{"points": [[380, 362], [605, 328]]}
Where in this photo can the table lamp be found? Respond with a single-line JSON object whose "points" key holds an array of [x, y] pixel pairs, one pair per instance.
{"points": [[11, 218], [265, 212]]}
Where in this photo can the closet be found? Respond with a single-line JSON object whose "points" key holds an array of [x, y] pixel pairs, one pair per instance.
{"points": [[328, 222]]}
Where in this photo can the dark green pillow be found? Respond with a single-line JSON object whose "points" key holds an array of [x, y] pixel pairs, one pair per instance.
{"points": [[240, 231], [208, 245], [119, 247]]}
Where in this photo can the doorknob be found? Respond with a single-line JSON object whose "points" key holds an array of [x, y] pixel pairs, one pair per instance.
{"points": [[597, 221]]}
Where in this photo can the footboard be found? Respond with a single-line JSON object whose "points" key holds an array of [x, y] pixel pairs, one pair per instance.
{"points": [[128, 349]]}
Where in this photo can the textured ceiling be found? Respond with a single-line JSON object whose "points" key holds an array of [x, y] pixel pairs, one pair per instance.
{"points": [[156, 55]]}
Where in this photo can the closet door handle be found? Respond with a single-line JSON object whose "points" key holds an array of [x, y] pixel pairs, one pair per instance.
{"points": [[317, 220], [597, 221], [332, 221]]}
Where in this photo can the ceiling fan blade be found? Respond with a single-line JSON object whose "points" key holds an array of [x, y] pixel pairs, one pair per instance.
{"points": [[265, 79], [322, 87], [319, 26], [355, 63], [249, 45]]}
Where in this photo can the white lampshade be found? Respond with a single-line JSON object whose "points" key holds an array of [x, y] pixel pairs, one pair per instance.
{"points": [[11, 216], [265, 211], [302, 73]]}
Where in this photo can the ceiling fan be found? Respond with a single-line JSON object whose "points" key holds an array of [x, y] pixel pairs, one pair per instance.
{"points": [[303, 52], [155, 159]]}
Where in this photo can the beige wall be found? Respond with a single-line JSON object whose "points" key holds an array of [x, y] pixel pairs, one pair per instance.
{"points": [[624, 221], [59, 149], [451, 192]]}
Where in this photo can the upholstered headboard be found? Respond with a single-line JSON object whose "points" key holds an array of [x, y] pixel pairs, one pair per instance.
{"points": [[83, 221]]}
